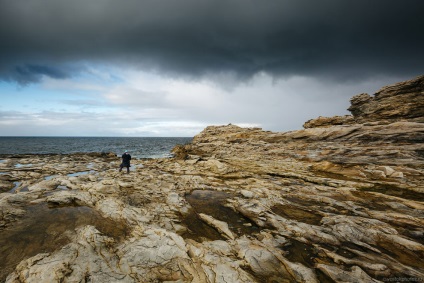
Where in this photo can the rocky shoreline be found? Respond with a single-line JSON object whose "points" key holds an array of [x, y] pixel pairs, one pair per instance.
{"points": [[339, 201]]}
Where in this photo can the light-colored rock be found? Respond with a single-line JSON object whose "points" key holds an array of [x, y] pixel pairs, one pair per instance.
{"points": [[386, 169], [221, 226], [397, 174], [247, 194], [271, 264], [354, 275], [88, 257]]}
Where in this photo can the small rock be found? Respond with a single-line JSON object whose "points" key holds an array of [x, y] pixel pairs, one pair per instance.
{"points": [[221, 226], [378, 174], [397, 174], [247, 194], [386, 169]]}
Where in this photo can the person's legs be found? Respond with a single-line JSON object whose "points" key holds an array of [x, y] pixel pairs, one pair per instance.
{"points": [[128, 169], [120, 168]]}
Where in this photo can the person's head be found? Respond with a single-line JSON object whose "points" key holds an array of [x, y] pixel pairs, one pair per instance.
{"points": [[126, 151]]}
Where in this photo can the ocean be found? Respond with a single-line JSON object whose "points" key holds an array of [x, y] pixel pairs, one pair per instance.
{"points": [[138, 147]]}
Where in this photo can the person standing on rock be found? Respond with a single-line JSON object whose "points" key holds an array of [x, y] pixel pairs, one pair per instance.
{"points": [[126, 157]]}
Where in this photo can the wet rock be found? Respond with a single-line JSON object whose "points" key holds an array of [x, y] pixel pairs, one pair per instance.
{"points": [[69, 198], [89, 257], [9, 212], [221, 226], [271, 264]]}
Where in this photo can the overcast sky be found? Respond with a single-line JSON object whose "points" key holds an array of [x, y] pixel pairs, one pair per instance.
{"points": [[173, 67]]}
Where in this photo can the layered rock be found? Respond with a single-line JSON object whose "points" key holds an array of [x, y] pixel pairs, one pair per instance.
{"points": [[329, 121], [401, 101], [330, 203]]}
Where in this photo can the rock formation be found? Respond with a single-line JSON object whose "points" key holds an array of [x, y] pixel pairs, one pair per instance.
{"points": [[329, 121], [339, 201], [402, 101]]}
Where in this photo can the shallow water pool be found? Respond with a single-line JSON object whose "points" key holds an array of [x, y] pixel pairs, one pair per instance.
{"points": [[213, 203], [44, 229]]}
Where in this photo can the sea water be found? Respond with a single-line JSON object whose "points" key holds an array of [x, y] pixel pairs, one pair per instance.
{"points": [[138, 147]]}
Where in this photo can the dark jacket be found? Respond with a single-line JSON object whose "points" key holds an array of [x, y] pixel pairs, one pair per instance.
{"points": [[126, 157]]}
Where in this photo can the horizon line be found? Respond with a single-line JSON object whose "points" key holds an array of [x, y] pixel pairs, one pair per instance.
{"points": [[96, 136]]}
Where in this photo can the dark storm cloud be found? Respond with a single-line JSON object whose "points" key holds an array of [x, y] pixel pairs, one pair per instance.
{"points": [[329, 38], [31, 73]]}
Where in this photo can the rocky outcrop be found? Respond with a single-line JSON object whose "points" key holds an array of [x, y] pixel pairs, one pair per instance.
{"points": [[401, 101], [329, 121], [330, 203]]}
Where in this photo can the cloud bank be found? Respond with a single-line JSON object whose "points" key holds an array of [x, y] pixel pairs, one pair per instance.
{"points": [[170, 68], [142, 104], [192, 39]]}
